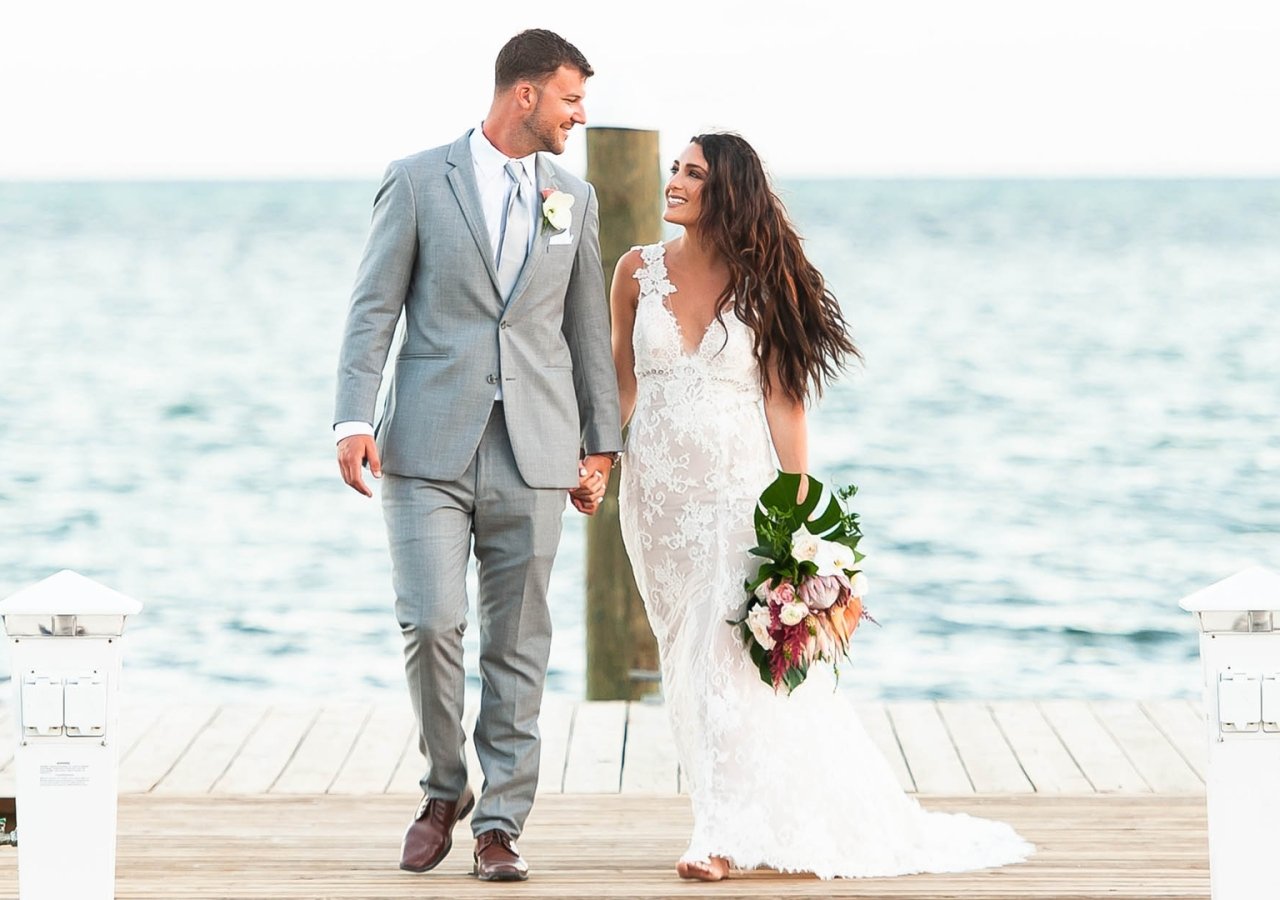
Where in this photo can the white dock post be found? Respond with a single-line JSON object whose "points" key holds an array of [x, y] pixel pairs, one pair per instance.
{"points": [[1239, 621], [65, 636]]}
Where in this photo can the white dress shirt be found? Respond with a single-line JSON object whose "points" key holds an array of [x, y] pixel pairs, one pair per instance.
{"points": [[491, 181]]}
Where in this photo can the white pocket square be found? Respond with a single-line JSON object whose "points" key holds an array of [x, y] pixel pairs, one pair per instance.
{"points": [[562, 237]]}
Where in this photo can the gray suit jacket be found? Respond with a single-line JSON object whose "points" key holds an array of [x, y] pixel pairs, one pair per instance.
{"points": [[428, 256]]}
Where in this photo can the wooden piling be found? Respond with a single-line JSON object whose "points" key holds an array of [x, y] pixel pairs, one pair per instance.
{"points": [[623, 165]]}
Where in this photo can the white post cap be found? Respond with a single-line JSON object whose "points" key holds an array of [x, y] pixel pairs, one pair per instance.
{"points": [[1255, 588], [68, 594]]}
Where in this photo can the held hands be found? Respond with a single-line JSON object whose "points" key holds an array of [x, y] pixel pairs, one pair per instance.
{"points": [[593, 478], [354, 452]]}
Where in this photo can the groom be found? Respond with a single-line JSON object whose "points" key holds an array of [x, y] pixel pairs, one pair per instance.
{"points": [[503, 397]]}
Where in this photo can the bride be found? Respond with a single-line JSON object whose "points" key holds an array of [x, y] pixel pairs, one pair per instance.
{"points": [[720, 336]]}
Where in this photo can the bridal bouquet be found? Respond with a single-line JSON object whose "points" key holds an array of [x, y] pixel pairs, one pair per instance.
{"points": [[806, 601]]}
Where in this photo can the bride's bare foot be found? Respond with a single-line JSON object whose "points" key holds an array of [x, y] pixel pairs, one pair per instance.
{"points": [[714, 869]]}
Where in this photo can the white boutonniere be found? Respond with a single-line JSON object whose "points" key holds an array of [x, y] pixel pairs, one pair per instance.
{"points": [[556, 209]]}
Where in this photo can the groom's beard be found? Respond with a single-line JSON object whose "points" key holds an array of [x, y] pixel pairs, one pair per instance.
{"points": [[548, 135]]}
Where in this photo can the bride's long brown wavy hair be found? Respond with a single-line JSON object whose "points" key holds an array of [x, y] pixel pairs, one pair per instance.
{"points": [[800, 331]]}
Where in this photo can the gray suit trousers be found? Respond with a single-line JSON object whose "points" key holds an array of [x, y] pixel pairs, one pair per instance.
{"points": [[516, 530]]}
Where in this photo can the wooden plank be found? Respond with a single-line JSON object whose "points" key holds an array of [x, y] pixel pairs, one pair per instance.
{"points": [[595, 748], [555, 724], [377, 751], [212, 751], [1156, 760], [156, 752], [931, 757], [875, 719], [940, 742], [1149, 847], [649, 763], [134, 723], [1041, 755], [1184, 727], [268, 750], [413, 764], [409, 771], [322, 752], [987, 757], [1092, 747], [1197, 708]]}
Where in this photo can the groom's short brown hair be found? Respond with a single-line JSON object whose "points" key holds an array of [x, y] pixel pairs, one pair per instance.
{"points": [[535, 55]]}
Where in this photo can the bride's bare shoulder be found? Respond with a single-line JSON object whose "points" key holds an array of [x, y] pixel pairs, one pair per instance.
{"points": [[624, 277], [629, 263]]}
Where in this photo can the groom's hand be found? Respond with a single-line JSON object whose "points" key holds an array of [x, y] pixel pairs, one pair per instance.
{"points": [[353, 453], [593, 479]]}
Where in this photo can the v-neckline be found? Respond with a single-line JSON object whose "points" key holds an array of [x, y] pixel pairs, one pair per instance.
{"points": [[675, 323], [664, 302]]}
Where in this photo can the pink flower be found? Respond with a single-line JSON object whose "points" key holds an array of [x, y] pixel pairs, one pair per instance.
{"points": [[783, 594], [820, 591]]}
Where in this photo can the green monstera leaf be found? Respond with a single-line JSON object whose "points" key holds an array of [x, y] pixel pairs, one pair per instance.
{"points": [[778, 504]]}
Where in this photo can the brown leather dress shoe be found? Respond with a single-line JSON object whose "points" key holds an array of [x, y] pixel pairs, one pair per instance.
{"points": [[430, 835], [497, 858]]}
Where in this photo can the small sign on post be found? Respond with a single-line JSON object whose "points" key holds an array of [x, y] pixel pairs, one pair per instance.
{"points": [[1239, 621], [64, 633]]}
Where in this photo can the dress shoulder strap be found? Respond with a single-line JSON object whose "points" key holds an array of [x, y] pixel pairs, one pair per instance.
{"points": [[653, 274]]}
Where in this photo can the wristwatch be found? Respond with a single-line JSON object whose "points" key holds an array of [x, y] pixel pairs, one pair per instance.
{"points": [[613, 455]]}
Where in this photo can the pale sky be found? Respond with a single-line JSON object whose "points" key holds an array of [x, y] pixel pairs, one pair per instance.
{"points": [[254, 88]]}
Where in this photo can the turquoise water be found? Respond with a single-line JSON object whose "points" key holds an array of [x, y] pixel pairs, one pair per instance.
{"points": [[1067, 421]]}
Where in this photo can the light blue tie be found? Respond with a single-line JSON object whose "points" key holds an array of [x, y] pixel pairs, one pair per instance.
{"points": [[513, 242]]}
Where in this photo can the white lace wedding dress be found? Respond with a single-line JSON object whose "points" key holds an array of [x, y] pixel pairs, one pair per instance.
{"points": [[789, 782]]}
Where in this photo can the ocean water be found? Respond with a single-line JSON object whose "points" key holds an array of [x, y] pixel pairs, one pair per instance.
{"points": [[1067, 421]]}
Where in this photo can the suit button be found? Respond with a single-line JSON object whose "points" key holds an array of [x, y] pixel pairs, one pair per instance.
{"points": [[492, 379]]}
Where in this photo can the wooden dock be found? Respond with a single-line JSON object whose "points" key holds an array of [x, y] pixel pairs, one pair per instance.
{"points": [[306, 800]]}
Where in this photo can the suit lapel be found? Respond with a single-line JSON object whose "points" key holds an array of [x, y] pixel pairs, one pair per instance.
{"points": [[546, 181], [462, 178]]}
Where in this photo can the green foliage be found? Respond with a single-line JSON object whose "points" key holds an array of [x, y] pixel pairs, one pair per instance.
{"points": [[779, 515], [795, 676]]}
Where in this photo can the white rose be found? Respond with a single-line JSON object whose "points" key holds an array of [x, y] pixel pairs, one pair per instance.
{"points": [[758, 622], [793, 613], [858, 586], [804, 546], [556, 209], [762, 590]]}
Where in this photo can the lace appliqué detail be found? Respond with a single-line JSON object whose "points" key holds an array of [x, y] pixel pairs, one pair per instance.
{"points": [[653, 274], [698, 455]]}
